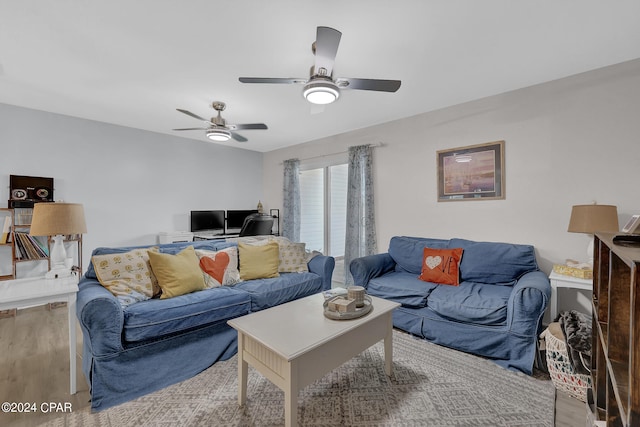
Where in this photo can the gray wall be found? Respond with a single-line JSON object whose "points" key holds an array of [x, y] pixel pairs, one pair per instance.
{"points": [[133, 183], [570, 141]]}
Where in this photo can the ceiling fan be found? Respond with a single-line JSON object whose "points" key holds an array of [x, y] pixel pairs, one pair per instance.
{"points": [[321, 87], [218, 129]]}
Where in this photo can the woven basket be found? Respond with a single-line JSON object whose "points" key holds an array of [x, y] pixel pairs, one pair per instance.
{"points": [[562, 374]]}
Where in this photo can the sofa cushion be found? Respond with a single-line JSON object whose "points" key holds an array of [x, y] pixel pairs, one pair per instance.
{"points": [[229, 274], [258, 261], [441, 266], [170, 248], [407, 251], [207, 245], [126, 275], [177, 274], [496, 263], [292, 256], [471, 302], [267, 293], [401, 287], [155, 318]]}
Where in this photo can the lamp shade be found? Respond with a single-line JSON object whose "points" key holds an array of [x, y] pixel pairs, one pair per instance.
{"points": [[592, 218], [51, 219]]}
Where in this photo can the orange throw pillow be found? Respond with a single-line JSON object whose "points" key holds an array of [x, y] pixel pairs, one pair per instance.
{"points": [[441, 266], [215, 267]]}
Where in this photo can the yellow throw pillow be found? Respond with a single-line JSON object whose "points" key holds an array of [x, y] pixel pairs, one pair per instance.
{"points": [[127, 275], [258, 261], [177, 274]]}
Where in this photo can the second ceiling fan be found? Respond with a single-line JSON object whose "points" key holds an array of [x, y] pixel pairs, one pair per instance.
{"points": [[218, 129], [321, 87]]}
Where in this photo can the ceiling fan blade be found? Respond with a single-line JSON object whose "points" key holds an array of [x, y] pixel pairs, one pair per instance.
{"points": [[327, 42], [238, 137], [247, 126], [195, 116], [369, 84], [288, 80], [191, 129]]}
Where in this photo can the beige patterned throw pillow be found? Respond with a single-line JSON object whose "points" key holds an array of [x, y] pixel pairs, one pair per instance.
{"points": [[293, 257], [127, 275]]}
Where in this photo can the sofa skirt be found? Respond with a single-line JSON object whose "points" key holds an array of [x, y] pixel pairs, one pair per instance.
{"points": [[496, 343], [148, 367]]}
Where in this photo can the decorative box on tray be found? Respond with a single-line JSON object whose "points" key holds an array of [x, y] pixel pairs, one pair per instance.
{"points": [[344, 308], [342, 304]]}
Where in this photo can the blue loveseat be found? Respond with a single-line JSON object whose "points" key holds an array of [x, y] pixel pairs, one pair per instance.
{"points": [[136, 349], [495, 312]]}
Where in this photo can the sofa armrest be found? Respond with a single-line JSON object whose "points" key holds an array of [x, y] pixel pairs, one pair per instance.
{"points": [[322, 266], [101, 318], [366, 268], [528, 302]]}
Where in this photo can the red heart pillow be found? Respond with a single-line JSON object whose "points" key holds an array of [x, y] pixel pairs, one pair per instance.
{"points": [[215, 267], [441, 266]]}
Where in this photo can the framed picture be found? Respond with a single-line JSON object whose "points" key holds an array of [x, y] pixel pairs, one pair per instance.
{"points": [[475, 172]]}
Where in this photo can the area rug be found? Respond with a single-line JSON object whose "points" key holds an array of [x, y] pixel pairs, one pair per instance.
{"points": [[431, 386]]}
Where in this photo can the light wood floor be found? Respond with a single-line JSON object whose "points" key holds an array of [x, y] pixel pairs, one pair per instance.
{"points": [[34, 368]]}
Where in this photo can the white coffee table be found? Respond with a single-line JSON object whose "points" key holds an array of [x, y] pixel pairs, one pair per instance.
{"points": [[23, 293], [293, 344]]}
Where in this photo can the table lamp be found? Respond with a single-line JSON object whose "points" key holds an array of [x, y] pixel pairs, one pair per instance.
{"points": [[57, 220], [589, 219]]}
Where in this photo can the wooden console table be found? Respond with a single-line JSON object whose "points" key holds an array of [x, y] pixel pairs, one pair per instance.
{"points": [[615, 360]]}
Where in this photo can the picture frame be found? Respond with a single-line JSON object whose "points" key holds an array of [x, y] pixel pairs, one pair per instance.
{"points": [[475, 172]]}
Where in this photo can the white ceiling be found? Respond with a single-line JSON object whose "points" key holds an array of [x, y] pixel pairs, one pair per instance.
{"points": [[133, 62]]}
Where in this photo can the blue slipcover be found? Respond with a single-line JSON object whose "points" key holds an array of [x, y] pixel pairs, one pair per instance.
{"points": [[143, 347], [496, 312]]}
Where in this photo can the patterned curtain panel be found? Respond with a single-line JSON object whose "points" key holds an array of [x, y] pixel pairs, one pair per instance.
{"points": [[361, 229], [291, 200]]}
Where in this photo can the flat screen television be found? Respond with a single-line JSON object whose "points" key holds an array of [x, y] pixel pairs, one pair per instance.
{"points": [[207, 221], [235, 218]]}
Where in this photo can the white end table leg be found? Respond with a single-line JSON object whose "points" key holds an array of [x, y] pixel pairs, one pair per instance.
{"points": [[291, 395], [388, 348], [553, 309], [71, 307], [243, 369]]}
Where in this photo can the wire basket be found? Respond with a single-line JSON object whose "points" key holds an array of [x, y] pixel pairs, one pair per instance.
{"points": [[562, 373]]}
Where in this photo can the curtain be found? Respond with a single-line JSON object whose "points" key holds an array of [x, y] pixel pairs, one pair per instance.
{"points": [[360, 237], [291, 200]]}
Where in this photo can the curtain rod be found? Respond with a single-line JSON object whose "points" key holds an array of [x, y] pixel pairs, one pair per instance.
{"points": [[374, 145]]}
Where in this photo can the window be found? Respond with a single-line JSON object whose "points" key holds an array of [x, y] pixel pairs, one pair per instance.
{"points": [[323, 197]]}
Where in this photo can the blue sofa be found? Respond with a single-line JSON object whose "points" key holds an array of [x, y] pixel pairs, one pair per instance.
{"points": [[496, 312], [143, 347]]}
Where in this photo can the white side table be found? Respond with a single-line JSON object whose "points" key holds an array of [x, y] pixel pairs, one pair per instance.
{"points": [[562, 281], [23, 293]]}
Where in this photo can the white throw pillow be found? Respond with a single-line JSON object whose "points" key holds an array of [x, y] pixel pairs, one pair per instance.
{"points": [[231, 273]]}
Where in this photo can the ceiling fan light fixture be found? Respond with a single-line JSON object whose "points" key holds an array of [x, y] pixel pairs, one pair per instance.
{"points": [[321, 92], [219, 135]]}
